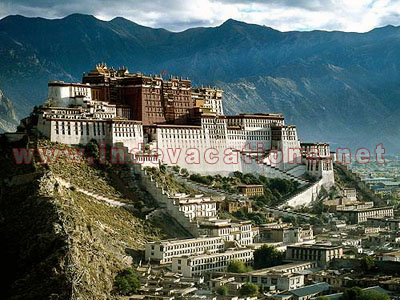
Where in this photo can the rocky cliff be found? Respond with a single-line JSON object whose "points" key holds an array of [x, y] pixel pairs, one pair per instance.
{"points": [[58, 242], [8, 114]]}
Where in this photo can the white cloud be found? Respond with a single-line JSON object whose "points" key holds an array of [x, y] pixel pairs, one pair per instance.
{"points": [[284, 15]]}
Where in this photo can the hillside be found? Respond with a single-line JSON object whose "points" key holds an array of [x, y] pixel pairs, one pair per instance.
{"points": [[335, 86], [8, 114], [60, 242]]}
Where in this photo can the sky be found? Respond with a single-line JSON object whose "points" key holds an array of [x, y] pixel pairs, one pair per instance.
{"points": [[178, 15]]}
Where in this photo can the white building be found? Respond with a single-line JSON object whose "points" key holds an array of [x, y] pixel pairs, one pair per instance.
{"points": [[320, 253], [318, 161], [282, 278], [164, 251], [196, 207], [208, 98], [209, 143], [61, 94], [389, 256], [197, 265], [94, 120], [241, 233], [350, 194]]}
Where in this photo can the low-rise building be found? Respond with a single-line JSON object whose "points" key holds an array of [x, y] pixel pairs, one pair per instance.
{"points": [[361, 215], [309, 291], [232, 206], [320, 253], [350, 193], [281, 281], [354, 206], [332, 277], [389, 256], [282, 277], [285, 234], [232, 286], [251, 190], [196, 207], [389, 223], [197, 265], [163, 251], [239, 232]]}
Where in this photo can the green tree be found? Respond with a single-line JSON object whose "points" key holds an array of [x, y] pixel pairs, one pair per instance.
{"points": [[372, 295], [127, 282], [222, 290], [238, 174], [184, 172], [237, 266], [176, 169], [354, 293], [266, 256], [248, 289], [163, 169], [368, 263], [92, 149]]}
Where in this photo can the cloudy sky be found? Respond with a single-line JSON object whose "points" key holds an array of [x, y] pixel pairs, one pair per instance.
{"points": [[177, 15]]}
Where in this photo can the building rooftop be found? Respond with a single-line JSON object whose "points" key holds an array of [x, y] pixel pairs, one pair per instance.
{"points": [[315, 246], [180, 241], [310, 289], [256, 116], [206, 255], [250, 185]]}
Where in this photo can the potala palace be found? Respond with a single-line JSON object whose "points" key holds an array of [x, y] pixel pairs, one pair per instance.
{"points": [[153, 125], [167, 121]]}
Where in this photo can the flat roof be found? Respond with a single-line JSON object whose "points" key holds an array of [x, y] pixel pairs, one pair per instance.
{"points": [[62, 83], [310, 289], [178, 241], [172, 126], [256, 116], [250, 185], [367, 209], [281, 268], [240, 250], [315, 246]]}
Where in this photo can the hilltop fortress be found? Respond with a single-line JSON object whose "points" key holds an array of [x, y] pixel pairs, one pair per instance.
{"points": [[179, 124]]}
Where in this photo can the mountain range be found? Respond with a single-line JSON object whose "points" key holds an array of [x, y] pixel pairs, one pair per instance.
{"points": [[339, 87]]}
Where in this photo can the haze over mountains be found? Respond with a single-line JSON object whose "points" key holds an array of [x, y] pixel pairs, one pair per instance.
{"points": [[339, 87]]}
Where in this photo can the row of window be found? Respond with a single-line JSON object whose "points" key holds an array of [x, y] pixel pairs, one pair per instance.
{"points": [[221, 258], [79, 128]]}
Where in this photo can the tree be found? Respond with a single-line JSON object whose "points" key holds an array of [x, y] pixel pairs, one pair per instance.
{"points": [[372, 295], [356, 293], [266, 257], [237, 266], [222, 290], [368, 263], [248, 289], [352, 294], [127, 282], [238, 174], [92, 149], [184, 172], [163, 169]]}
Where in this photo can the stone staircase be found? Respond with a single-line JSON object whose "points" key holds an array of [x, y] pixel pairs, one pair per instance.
{"points": [[292, 174], [165, 202]]}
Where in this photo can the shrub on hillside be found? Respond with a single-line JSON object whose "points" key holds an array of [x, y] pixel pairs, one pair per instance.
{"points": [[127, 282]]}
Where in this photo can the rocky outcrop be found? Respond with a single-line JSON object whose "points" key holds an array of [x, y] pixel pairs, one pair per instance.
{"points": [[60, 241], [8, 115]]}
